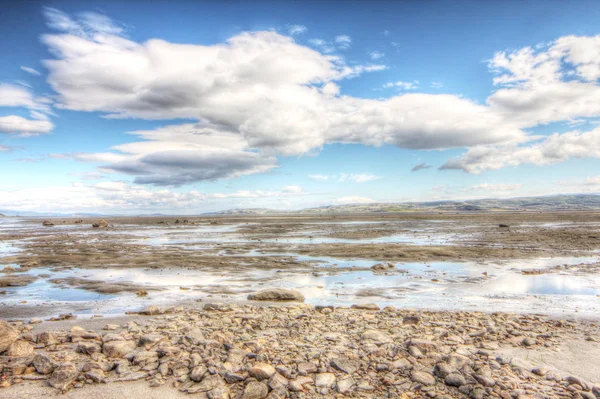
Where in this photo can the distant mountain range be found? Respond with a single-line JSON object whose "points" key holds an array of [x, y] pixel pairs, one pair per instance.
{"points": [[544, 203], [570, 202]]}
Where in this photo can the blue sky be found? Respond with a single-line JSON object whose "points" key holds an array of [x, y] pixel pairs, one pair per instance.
{"points": [[202, 106]]}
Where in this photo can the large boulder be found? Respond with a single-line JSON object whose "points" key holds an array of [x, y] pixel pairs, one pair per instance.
{"points": [[44, 364], [8, 335], [277, 294], [100, 225], [20, 348]]}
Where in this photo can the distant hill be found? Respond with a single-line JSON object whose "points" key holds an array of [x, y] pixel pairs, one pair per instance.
{"points": [[567, 202], [543, 203]]}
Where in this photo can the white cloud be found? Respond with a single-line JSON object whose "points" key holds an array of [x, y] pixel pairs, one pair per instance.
{"points": [[276, 95], [553, 149], [358, 177], [180, 154], [402, 85], [375, 55], [343, 41], [30, 70], [353, 200], [5, 148], [495, 187], [437, 85], [13, 124], [345, 177], [122, 197], [296, 29]]}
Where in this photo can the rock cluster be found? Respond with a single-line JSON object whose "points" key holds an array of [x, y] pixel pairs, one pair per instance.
{"points": [[256, 352]]}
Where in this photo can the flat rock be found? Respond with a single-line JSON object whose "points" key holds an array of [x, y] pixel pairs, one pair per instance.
{"points": [[63, 376], [422, 377], [262, 371], [118, 348], [277, 294], [255, 390]]}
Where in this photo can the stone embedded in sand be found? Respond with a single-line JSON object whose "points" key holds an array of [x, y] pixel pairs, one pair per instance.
{"points": [[48, 338], [198, 373], [262, 371], [47, 223], [455, 380], [255, 390], [277, 294], [118, 348], [150, 311], [20, 348], [63, 376], [8, 335]]}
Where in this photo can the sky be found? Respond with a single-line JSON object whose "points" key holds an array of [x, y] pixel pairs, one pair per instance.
{"points": [[187, 107]]}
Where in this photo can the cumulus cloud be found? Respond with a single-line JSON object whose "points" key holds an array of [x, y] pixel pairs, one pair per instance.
{"points": [[420, 166], [30, 71], [555, 148], [283, 98]]}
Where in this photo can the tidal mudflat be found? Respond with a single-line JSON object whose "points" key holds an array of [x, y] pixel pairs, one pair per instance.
{"points": [[428, 288]]}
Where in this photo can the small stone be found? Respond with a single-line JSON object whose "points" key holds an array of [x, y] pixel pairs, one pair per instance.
{"points": [[262, 371], [325, 380], [455, 380], [366, 306], [198, 373], [376, 336], [255, 390], [150, 311], [422, 377], [411, 320], [345, 385], [95, 375], [344, 365]]}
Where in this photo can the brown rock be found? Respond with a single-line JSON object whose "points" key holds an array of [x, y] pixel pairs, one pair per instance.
{"points": [[277, 294], [63, 376], [8, 335]]}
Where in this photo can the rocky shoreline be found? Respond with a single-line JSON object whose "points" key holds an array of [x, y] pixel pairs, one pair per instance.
{"points": [[246, 351]]}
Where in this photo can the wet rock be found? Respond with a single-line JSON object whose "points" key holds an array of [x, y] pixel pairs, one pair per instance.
{"points": [[118, 349], [262, 371], [44, 364], [411, 320], [277, 294], [8, 335], [255, 390], [47, 223], [19, 348], [100, 225], [422, 377], [63, 376]]}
